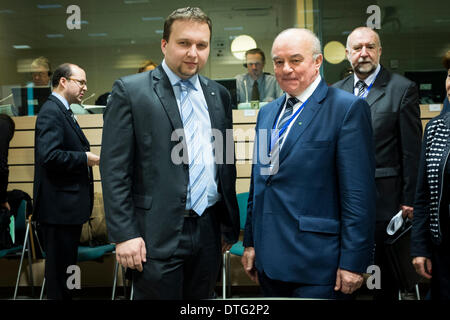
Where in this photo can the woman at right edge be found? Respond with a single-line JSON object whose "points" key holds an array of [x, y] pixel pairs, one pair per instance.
{"points": [[430, 238]]}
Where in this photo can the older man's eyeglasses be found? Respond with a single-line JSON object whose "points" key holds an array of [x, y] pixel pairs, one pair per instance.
{"points": [[81, 83]]}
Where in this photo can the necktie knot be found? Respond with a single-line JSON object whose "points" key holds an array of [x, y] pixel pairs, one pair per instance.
{"points": [[292, 101], [185, 85]]}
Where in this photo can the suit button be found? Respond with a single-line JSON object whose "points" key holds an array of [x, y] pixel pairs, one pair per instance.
{"points": [[269, 182]]}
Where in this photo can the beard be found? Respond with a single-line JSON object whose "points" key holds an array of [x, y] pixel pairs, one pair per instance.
{"points": [[365, 67]]}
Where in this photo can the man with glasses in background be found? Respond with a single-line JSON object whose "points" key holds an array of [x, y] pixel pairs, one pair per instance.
{"points": [[63, 184], [256, 85], [41, 72]]}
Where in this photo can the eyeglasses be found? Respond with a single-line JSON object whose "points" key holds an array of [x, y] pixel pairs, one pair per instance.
{"points": [[81, 83]]}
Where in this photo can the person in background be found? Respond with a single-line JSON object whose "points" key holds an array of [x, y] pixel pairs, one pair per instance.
{"points": [[430, 237], [41, 72], [147, 65], [445, 61], [397, 133], [7, 127], [63, 190], [256, 85]]}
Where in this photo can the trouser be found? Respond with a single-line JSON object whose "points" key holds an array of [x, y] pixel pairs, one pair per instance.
{"points": [[281, 289], [440, 261], [191, 272], [389, 288], [61, 250]]}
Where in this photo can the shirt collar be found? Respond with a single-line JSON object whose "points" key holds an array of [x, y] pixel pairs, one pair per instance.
{"points": [[174, 79], [62, 99], [369, 79]]}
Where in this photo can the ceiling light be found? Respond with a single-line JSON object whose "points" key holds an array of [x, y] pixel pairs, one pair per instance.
{"points": [[100, 34], [241, 44], [233, 28], [152, 18], [49, 6], [135, 1], [55, 35], [21, 46], [7, 11], [159, 31]]}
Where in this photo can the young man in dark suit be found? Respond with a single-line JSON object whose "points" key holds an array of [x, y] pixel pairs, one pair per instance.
{"points": [[170, 212], [311, 209], [397, 129], [63, 188]]}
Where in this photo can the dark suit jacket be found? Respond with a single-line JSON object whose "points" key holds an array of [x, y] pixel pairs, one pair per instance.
{"points": [[144, 191], [317, 212], [397, 129], [5, 138], [63, 188], [446, 107]]}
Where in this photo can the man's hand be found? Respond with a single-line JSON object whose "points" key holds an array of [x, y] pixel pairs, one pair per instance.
{"points": [[407, 211], [225, 246], [6, 205], [93, 159], [248, 262], [347, 282], [423, 266], [131, 253]]}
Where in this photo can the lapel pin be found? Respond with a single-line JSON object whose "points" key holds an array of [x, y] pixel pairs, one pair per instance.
{"points": [[212, 93], [300, 123]]}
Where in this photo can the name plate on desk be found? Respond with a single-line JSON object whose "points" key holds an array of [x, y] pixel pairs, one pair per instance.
{"points": [[434, 107], [249, 113]]}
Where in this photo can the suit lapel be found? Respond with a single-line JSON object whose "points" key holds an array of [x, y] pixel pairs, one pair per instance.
{"points": [[69, 119], [164, 91], [348, 84], [304, 119], [378, 88], [272, 117]]}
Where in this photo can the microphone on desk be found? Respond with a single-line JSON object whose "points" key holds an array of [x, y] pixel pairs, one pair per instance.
{"points": [[82, 101], [6, 98]]}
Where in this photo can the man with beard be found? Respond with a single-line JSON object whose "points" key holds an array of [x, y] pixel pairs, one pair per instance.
{"points": [[397, 129]]}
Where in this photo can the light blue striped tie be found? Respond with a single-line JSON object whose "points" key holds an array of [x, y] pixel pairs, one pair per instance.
{"points": [[197, 170]]}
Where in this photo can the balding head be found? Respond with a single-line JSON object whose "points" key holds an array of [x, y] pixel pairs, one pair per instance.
{"points": [[363, 31], [297, 58], [294, 34], [363, 51]]}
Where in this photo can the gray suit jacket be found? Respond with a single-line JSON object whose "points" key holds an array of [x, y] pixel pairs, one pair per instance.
{"points": [[397, 129], [144, 191]]}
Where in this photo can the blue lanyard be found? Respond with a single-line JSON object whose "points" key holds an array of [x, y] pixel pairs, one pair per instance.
{"points": [[274, 138], [369, 87]]}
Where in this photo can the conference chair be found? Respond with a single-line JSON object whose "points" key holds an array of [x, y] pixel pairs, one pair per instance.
{"points": [[87, 253], [116, 270], [24, 224], [238, 248], [17, 226]]}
